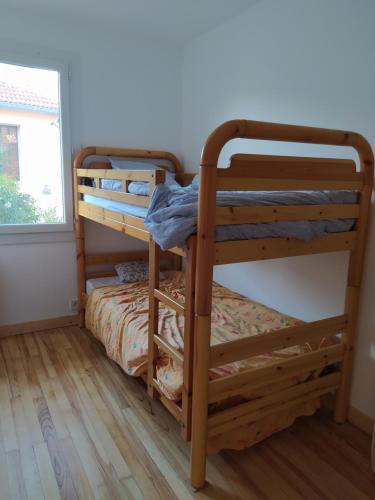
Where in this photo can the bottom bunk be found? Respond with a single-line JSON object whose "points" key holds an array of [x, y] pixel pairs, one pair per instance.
{"points": [[117, 315]]}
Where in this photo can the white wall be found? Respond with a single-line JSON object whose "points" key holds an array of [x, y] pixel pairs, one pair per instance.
{"points": [[299, 62], [124, 92]]}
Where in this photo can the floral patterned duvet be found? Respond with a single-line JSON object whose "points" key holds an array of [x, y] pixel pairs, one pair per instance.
{"points": [[118, 316]]}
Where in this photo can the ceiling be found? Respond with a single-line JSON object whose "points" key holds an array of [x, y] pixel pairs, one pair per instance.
{"points": [[177, 21]]}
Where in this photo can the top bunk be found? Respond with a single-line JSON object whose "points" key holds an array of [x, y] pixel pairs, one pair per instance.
{"points": [[101, 186], [259, 207]]}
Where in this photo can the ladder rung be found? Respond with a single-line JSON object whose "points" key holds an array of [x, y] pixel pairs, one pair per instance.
{"points": [[167, 348], [171, 406], [168, 300]]}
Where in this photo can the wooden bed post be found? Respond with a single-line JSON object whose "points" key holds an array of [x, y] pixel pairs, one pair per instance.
{"points": [[79, 227], [355, 273], [203, 297], [189, 337], [203, 306], [153, 327], [81, 268]]}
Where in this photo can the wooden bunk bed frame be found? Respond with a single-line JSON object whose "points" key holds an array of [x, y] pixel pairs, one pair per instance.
{"points": [[234, 425]]}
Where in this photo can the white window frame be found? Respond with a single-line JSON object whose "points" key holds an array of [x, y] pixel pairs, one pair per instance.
{"points": [[63, 67]]}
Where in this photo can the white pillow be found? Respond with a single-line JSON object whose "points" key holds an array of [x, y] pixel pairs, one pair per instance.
{"points": [[140, 188], [115, 185], [132, 165]]}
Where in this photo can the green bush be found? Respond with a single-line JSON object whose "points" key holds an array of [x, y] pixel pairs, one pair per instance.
{"points": [[16, 207], [21, 208], [49, 216]]}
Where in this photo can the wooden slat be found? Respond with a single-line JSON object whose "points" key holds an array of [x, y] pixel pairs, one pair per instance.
{"points": [[236, 350], [168, 300], [256, 214], [168, 349], [247, 380], [227, 252], [245, 412], [177, 251], [128, 224], [171, 406], [285, 166], [100, 274], [124, 219], [352, 182], [112, 258], [274, 403], [120, 174], [113, 220], [167, 258], [133, 199]]}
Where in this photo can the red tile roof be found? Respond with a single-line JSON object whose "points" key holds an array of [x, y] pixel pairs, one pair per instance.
{"points": [[23, 97]]}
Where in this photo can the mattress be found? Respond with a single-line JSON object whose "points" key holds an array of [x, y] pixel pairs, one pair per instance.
{"points": [[93, 283], [116, 206], [172, 215], [118, 316]]}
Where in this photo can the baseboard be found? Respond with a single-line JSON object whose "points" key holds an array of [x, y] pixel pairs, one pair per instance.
{"points": [[38, 326], [355, 417], [361, 420]]}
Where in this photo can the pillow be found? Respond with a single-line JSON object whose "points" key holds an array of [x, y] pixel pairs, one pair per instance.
{"points": [[115, 185], [137, 187], [132, 165], [130, 272], [143, 188], [117, 164]]}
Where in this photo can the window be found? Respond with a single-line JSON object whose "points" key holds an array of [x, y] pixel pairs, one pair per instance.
{"points": [[35, 180]]}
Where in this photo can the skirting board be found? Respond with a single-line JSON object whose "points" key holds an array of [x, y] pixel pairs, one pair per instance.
{"points": [[38, 326], [360, 420], [355, 416]]}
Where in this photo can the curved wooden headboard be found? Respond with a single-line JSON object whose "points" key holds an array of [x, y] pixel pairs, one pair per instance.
{"points": [[145, 154]]}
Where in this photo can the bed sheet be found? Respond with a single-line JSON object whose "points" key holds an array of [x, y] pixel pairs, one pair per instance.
{"points": [[118, 317]]}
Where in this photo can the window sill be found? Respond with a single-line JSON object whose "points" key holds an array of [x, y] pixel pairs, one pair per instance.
{"points": [[36, 238]]}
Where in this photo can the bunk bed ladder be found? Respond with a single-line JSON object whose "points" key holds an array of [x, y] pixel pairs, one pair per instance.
{"points": [[156, 342]]}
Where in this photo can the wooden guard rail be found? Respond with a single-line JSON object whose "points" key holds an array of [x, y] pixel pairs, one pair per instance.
{"points": [[154, 177], [246, 347], [257, 409], [254, 378]]}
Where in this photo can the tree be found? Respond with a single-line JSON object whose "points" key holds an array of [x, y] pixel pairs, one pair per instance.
{"points": [[16, 207], [20, 208]]}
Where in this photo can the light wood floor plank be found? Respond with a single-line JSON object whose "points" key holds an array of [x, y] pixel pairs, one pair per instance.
{"points": [[73, 425], [16, 483], [46, 472]]}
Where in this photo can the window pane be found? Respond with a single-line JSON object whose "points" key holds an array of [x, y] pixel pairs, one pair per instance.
{"points": [[31, 190]]}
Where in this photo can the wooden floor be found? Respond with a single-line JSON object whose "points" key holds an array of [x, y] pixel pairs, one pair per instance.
{"points": [[72, 425]]}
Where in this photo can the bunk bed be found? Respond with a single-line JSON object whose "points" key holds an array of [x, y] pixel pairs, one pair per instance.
{"points": [[241, 407]]}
